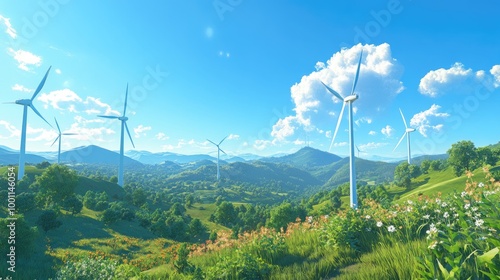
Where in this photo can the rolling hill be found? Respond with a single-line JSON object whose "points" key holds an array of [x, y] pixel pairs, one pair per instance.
{"points": [[9, 156], [306, 158], [96, 155]]}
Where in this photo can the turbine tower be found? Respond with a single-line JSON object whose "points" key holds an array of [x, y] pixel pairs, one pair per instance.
{"points": [[59, 137], [407, 134], [123, 119], [358, 150], [349, 100], [28, 103], [218, 155]]}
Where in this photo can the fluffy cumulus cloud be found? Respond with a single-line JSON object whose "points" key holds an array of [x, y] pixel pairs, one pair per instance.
{"points": [[18, 87], [458, 79], [7, 130], [91, 130], [378, 84], [162, 136], [9, 29], [388, 131], [141, 130], [233, 137], [25, 59], [428, 120], [68, 100]]}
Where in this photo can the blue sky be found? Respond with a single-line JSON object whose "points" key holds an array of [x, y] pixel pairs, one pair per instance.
{"points": [[251, 70]]}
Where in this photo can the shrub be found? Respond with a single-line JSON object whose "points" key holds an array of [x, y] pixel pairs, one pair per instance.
{"points": [[88, 269]]}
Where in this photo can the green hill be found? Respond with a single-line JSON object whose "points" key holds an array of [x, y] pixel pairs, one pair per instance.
{"points": [[306, 158]]}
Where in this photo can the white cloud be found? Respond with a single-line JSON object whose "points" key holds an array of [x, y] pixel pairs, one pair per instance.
{"points": [[25, 59], [372, 132], [457, 79], [314, 105], [97, 104], [329, 134], [261, 144], [40, 134], [53, 98], [362, 120], [224, 54], [8, 27], [141, 130], [58, 71], [87, 130], [8, 130], [371, 146], [233, 137], [387, 131], [340, 144], [299, 142], [209, 32], [426, 120], [162, 136], [18, 87], [180, 144]]}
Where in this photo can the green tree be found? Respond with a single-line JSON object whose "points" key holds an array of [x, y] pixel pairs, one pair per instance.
{"points": [[113, 179], [336, 202], [139, 197], [281, 215], [463, 157], [403, 175], [110, 216], [25, 236], [25, 202], [486, 156], [56, 183], [425, 165], [73, 204], [196, 228], [225, 214], [48, 220], [181, 264]]}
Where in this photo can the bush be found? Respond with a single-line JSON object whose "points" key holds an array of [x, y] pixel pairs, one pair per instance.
{"points": [[240, 266], [88, 269], [48, 220]]}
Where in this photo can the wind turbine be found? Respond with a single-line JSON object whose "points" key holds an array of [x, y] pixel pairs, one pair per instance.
{"points": [[59, 137], [28, 103], [349, 100], [407, 134], [218, 155], [358, 150], [123, 119]]}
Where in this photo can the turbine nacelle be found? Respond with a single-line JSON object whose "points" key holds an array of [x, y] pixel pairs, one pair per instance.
{"points": [[25, 102], [410, 129], [123, 119], [351, 98]]}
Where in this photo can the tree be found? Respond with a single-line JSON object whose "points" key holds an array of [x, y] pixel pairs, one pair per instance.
{"points": [[463, 157], [139, 197], [336, 202], [43, 165], [25, 202], [56, 183], [48, 220], [486, 156], [181, 263], [110, 216], [425, 165], [281, 216], [25, 236], [403, 175], [225, 214], [113, 179], [196, 227], [73, 204]]}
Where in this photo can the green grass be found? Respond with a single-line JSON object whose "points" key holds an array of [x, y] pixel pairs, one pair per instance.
{"points": [[204, 215]]}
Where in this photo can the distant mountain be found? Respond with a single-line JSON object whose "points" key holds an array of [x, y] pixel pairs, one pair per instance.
{"points": [[366, 170], [9, 156], [96, 155], [249, 157], [157, 158], [306, 158]]}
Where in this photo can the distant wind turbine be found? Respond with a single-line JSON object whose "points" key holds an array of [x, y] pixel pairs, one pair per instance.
{"points": [[358, 150], [123, 119], [59, 137], [218, 155], [349, 99], [28, 103], [407, 134]]}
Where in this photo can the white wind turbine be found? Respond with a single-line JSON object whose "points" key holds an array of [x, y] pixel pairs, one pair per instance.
{"points": [[123, 119], [28, 103], [357, 148], [59, 137], [349, 99], [218, 155], [407, 134]]}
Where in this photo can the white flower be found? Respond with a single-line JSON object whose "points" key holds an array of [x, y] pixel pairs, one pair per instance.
{"points": [[391, 228], [368, 217], [409, 209], [481, 185], [444, 204], [474, 209], [446, 215], [463, 194], [433, 245], [426, 216], [310, 219], [379, 224], [479, 222], [467, 206], [437, 211], [410, 202], [438, 201]]}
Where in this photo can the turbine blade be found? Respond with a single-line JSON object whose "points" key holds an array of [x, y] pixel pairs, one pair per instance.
{"points": [[357, 73], [406, 126], [70, 133], [402, 137], [9, 103], [40, 115], [338, 124], [223, 140], [40, 86], [333, 92], [57, 126], [108, 117], [222, 151], [128, 132], [125, 106], [212, 143], [55, 140]]}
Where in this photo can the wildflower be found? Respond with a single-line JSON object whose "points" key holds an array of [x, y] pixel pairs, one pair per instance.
{"points": [[379, 224], [479, 223], [310, 219], [438, 201], [463, 194], [368, 217], [410, 202], [391, 228], [474, 209], [444, 204], [426, 217], [481, 185], [409, 209], [433, 245], [455, 215], [446, 215], [467, 206], [437, 211]]}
